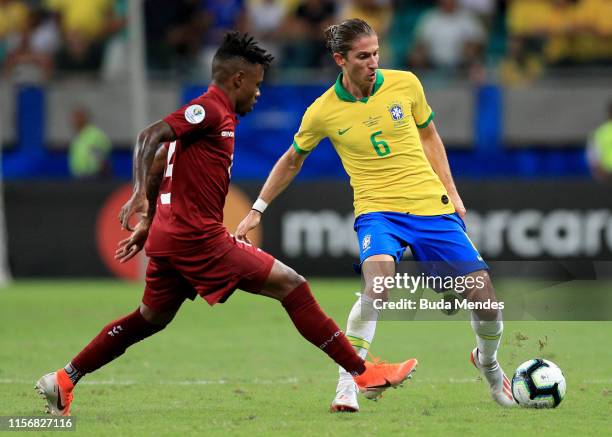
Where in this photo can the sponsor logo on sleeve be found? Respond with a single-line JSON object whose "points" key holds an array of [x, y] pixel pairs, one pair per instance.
{"points": [[195, 114]]}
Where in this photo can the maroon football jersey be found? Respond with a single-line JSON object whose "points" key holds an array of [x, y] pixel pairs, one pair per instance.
{"points": [[197, 176]]}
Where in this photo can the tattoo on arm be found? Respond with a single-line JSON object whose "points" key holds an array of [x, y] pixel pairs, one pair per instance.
{"points": [[144, 152], [154, 180], [153, 183]]}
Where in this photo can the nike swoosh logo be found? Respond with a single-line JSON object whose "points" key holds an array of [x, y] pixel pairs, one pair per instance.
{"points": [[387, 384], [342, 132], [59, 400]]}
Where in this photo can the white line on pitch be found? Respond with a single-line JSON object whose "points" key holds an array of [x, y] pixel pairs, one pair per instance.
{"points": [[167, 382], [292, 380]]}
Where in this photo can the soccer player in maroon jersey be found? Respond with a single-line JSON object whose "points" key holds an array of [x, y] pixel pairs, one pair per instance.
{"points": [[181, 188]]}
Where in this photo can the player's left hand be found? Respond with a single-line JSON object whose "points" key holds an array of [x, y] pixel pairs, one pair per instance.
{"points": [[458, 204], [128, 248]]}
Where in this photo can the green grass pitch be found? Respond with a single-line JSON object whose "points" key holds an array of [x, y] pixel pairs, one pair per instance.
{"points": [[241, 369]]}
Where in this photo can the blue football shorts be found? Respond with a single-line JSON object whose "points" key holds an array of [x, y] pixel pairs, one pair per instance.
{"points": [[438, 243]]}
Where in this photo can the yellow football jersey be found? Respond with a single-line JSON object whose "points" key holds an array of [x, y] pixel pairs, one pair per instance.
{"points": [[378, 142]]}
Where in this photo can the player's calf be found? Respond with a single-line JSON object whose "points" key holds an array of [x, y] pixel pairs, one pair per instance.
{"points": [[487, 321], [489, 328], [483, 291], [320, 330], [112, 341]]}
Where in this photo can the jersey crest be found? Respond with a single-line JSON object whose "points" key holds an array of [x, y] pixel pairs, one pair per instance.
{"points": [[397, 111]]}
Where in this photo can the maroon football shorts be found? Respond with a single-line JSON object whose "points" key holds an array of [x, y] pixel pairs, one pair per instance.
{"points": [[213, 271]]}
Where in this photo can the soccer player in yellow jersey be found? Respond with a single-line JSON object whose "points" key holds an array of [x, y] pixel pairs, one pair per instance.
{"points": [[382, 128]]}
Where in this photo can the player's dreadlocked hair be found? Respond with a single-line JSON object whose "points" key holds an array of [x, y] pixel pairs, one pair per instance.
{"points": [[238, 45], [340, 37]]}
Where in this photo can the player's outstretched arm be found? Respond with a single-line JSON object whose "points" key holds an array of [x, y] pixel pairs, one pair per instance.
{"points": [[436, 155], [144, 152], [129, 247], [283, 172]]}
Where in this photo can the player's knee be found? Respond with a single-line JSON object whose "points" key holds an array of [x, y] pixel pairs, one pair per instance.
{"points": [[481, 287], [481, 281], [281, 281], [375, 286], [373, 292], [289, 281], [293, 280], [159, 319]]}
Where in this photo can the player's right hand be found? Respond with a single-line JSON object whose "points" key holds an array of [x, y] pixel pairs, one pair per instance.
{"points": [[128, 248], [251, 221], [136, 204]]}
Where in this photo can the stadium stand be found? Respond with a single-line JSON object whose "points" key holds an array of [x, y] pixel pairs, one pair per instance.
{"points": [[514, 69]]}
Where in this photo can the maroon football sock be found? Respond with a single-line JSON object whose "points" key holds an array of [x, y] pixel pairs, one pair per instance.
{"points": [[112, 342], [316, 327]]}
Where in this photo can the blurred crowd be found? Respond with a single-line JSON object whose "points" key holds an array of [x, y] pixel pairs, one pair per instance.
{"points": [[519, 40], [557, 33]]}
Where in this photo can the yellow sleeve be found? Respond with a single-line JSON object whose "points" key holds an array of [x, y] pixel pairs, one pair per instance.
{"points": [[421, 110], [308, 135]]}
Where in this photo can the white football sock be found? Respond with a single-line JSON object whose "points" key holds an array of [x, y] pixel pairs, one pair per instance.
{"points": [[360, 329], [488, 337]]}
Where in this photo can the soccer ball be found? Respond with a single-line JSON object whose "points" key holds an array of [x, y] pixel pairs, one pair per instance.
{"points": [[538, 383]]}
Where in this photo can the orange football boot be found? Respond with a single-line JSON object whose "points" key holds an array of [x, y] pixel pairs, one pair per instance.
{"points": [[56, 388], [380, 375]]}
